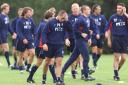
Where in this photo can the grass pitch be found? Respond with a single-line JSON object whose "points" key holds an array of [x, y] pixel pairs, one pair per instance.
{"points": [[104, 74]]}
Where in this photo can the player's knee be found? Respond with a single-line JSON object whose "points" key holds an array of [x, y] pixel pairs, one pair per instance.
{"points": [[46, 62], [117, 59], [58, 62], [123, 59], [39, 62]]}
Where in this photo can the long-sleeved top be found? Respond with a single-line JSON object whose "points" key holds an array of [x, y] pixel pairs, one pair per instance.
{"points": [[118, 25], [4, 25], [25, 29], [101, 23], [13, 24], [72, 19], [83, 25], [56, 32], [39, 31]]}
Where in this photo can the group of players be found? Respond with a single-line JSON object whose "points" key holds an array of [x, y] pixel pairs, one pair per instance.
{"points": [[82, 28]]}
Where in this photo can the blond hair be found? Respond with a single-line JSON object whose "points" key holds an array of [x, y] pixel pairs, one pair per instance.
{"points": [[4, 5]]}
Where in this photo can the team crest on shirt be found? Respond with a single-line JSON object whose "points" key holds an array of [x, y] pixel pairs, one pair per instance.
{"points": [[115, 19], [59, 27], [6, 20], [27, 25], [100, 19], [97, 22], [88, 22], [75, 19]]}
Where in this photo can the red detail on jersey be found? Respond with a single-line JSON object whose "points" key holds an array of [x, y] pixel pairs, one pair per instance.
{"points": [[41, 43], [81, 28], [110, 26]]}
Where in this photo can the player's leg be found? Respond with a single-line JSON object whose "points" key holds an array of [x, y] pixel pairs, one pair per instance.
{"points": [[49, 55], [21, 52], [45, 69], [58, 60], [26, 57], [81, 67], [122, 60], [31, 51], [52, 69], [14, 66], [71, 59], [73, 66], [99, 49], [73, 69], [58, 69], [20, 62], [116, 65], [40, 56], [94, 55], [119, 46], [84, 52], [124, 44], [94, 51], [5, 48], [14, 55]]}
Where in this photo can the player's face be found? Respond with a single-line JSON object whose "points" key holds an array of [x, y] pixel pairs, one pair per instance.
{"points": [[98, 10], [64, 17], [87, 11], [119, 9], [32, 13], [75, 10], [20, 12], [6, 10], [29, 14]]}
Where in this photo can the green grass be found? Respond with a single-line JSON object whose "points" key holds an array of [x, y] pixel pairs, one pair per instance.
{"points": [[104, 74]]}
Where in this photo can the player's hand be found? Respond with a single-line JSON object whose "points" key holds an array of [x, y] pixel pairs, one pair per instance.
{"points": [[67, 42], [25, 41], [14, 36], [45, 47], [84, 35], [109, 43], [97, 36], [106, 34], [124, 10], [89, 42], [91, 32]]}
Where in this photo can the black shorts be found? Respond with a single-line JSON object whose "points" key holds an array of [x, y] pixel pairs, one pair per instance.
{"points": [[40, 53], [21, 47], [72, 45], [3, 39], [55, 51], [97, 42], [14, 42], [119, 44]]}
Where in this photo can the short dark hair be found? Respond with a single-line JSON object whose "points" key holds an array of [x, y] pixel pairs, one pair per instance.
{"points": [[121, 4], [94, 7], [61, 12], [48, 14], [84, 8]]}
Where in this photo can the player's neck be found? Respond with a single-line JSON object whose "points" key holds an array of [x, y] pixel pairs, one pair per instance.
{"points": [[119, 14], [86, 15], [75, 14], [3, 13], [96, 14]]}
